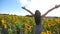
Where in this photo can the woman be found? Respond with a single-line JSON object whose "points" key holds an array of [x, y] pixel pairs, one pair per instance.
{"points": [[38, 27]]}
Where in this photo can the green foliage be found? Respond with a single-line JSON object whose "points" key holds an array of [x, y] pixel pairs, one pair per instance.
{"points": [[26, 23]]}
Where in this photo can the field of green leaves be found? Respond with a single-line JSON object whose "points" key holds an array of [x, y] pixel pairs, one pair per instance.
{"points": [[14, 24]]}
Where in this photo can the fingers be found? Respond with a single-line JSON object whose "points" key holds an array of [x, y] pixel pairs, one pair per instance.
{"points": [[56, 6], [59, 5], [23, 7]]}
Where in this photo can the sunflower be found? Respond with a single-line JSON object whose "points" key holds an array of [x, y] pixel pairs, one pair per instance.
{"points": [[5, 26], [43, 33], [58, 20], [49, 24], [48, 32], [27, 26], [3, 21], [10, 17], [46, 19], [52, 20]]}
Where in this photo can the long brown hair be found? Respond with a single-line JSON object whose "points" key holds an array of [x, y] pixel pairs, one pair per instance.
{"points": [[37, 17]]}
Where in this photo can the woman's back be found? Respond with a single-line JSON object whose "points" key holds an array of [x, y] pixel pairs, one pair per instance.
{"points": [[37, 29]]}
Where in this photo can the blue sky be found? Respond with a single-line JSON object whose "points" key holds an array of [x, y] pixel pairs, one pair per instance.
{"points": [[14, 6], [10, 6]]}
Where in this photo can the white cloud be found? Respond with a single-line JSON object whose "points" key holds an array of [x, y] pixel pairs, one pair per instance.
{"points": [[24, 2], [42, 5]]}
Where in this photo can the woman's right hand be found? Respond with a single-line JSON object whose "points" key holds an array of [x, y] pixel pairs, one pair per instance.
{"points": [[56, 6]]}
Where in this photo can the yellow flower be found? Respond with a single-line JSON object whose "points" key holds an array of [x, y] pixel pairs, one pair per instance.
{"points": [[46, 19], [5, 26], [58, 20], [48, 32], [49, 24], [44, 25], [27, 26], [43, 33], [16, 16], [3, 21], [10, 17], [52, 20]]}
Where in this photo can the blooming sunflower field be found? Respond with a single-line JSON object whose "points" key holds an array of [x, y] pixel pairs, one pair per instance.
{"points": [[24, 24]]}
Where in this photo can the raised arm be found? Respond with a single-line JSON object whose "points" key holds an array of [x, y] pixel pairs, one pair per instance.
{"points": [[28, 11], [56, 6]]}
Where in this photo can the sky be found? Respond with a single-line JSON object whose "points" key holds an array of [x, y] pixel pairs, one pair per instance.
{"points": [[14, 7]]}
